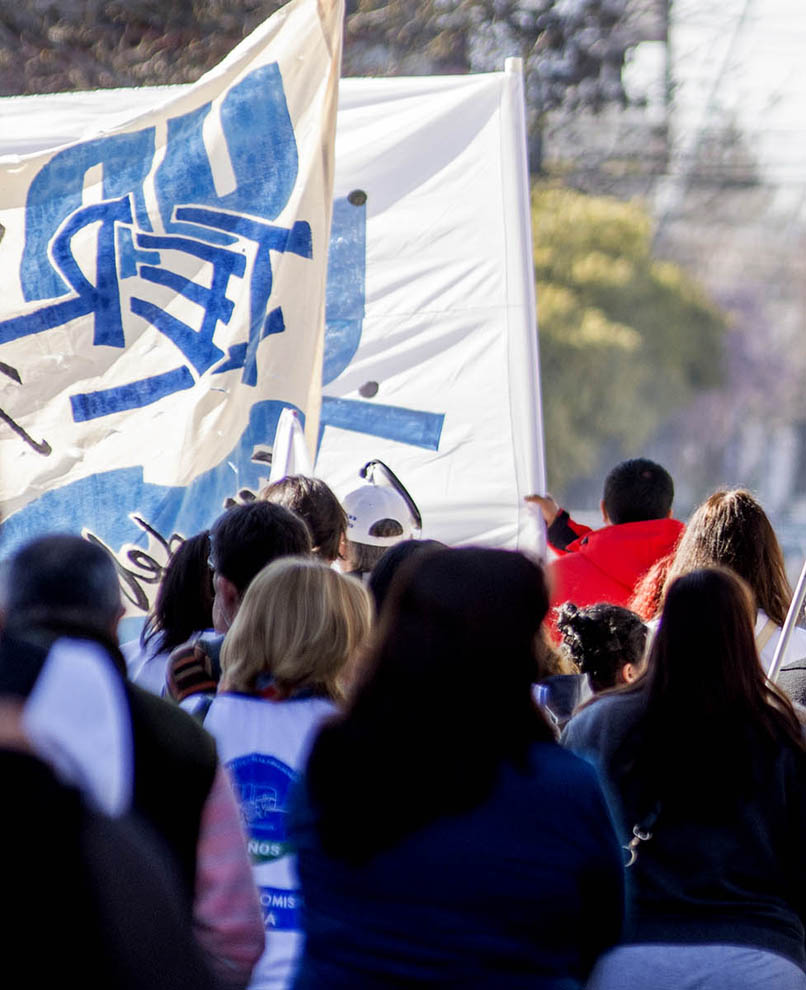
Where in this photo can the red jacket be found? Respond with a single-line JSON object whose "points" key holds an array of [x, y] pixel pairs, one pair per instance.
{"points": [[604, 565]]}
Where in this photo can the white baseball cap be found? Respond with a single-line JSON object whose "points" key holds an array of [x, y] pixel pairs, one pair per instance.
{"points": [[370, 505]]}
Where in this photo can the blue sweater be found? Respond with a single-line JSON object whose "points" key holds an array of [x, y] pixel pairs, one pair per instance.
{"points": [[525, 890]]}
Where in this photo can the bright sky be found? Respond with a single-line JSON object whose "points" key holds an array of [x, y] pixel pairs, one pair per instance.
{"points": [[739, 61], [746, 58]]}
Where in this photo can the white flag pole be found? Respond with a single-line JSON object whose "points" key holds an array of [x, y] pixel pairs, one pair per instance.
{"points": [[789, 626], [530, 461], [289, 452]]}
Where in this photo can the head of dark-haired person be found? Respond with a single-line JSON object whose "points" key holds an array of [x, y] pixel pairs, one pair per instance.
{"points": [[606, 642], [62, 580], [184, 602], [446, 698], [243, 540], [730, 529], [637, 490], [314, 502], [382, 574], [708, 701]]}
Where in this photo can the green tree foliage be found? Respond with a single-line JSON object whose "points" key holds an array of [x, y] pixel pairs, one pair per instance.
{"points": [[625, 339]]}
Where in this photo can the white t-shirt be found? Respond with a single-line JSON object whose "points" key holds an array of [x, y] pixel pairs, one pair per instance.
{"points": [[144, 666]]}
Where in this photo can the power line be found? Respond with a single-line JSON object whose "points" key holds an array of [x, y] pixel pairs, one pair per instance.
{"points": [[674, 192]]}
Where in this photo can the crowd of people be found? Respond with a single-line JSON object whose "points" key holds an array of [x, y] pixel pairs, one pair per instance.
{"points": [[342, 756]]}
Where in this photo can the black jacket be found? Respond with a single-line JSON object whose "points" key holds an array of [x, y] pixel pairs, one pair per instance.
{"points": [[175, 760], [82, 892], [713, 872]]}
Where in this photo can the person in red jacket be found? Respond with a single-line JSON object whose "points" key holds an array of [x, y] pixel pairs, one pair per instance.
{"points": [[605, 565]]}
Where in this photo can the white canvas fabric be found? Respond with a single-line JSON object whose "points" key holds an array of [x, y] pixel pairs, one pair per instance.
{"points": [[165, 274], [430, 353], [442, 382]]}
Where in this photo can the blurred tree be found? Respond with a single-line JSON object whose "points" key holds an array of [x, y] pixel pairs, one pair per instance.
{"points": [[625, 340], [61, 45], [573, 50]]}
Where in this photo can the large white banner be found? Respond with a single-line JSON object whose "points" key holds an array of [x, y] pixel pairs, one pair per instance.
{"points": [[431, 350], [162, 286], [430, 359]]}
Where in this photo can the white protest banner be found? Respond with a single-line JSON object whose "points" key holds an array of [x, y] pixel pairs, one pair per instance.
{"points": [[163, 293], [431, 347]]}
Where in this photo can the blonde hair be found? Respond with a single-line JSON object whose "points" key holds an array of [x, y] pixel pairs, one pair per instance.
{"points": [[300, 622]]}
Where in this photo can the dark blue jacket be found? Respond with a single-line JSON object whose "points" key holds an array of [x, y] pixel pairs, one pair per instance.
{"points": [[524, 891], [733, 872]]}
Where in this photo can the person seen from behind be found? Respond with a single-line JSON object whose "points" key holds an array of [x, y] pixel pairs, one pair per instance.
{"points": [[59, 656], [313, 501], [606, 642], [442, 835], [602, 647], [243, 540], [380, 514], [708, 763], [604, 565], [123, 923], [731, 529], [183, 610], [284, 666]]}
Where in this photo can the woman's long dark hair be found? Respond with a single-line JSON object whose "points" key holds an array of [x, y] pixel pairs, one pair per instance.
{"points": [[446, 699], [184, 603], [709, 706]]}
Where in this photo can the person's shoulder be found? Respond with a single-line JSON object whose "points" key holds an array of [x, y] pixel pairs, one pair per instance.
{"points": [[552, 757], [660, 532], [133, 651], [174, 728], [609, 704], [792, 680], [570, 783], [601, 716], [788, 768], [573, 571]]}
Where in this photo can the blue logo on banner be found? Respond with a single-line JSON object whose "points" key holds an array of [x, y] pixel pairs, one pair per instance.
{"points": [[346, 276], [281, 908], [212, 228]]}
